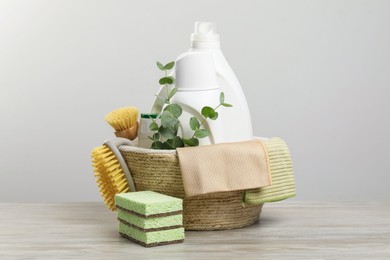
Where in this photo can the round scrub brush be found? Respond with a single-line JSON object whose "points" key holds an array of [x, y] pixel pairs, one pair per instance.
{"points": [[124, 121], [111, 172]]}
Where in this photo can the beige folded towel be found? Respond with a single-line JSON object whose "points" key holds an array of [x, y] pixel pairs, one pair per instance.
{"points": [[224, 167]]}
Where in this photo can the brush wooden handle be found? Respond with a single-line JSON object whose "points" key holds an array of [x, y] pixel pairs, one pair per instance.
{"points": [[129, 133]]}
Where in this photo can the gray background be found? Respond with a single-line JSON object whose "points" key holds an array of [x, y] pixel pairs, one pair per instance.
{"points": [[316, 73]]}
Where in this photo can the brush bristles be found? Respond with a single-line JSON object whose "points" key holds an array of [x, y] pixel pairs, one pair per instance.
{"points": [[110, 177], [122, 118]]}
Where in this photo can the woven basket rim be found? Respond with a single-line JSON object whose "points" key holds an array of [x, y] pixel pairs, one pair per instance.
{"points": [[129, 148]]}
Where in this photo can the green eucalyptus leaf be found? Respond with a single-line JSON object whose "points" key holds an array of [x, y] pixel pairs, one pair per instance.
{"points": [[178, 141], [191, 142], [175, 109], [215, 116], [160, 66], [175, 142], [194, 141], [226, 105], [201, 133], [153, 126], [186, 141], [168, 119], [169, 80], [208, 112], [163, 81], [169, 65], [166, 80], [166, 146], [194, 123], [157, 145], [221, 97], [172, 79], [173, 92], [170, 143], [156, 136], [166, 132]]}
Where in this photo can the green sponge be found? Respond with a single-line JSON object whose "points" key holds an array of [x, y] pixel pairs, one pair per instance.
{"points": [[150, 224], [149, 203], [155, 238], [150, 218]]}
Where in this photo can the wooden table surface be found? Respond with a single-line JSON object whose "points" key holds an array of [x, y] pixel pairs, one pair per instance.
{"points": [[287, 230]]}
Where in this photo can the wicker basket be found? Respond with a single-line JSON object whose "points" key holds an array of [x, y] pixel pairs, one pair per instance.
{"points": [[158, 170]]}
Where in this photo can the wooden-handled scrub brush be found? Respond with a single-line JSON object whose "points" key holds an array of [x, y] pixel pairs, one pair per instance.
{"points": [[124, 121], [111, 172]]}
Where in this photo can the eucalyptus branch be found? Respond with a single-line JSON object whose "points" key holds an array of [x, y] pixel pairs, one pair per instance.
{"points": [[169, 117], [207, 113]]}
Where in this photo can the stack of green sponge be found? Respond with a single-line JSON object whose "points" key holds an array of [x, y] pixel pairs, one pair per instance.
{"points": [[150, 218]]}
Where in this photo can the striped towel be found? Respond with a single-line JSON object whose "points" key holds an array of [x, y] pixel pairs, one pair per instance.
{"points": [[283, 185]]}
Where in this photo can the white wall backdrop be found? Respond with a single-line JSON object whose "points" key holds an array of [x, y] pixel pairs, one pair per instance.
{"points": [[316, 73]]}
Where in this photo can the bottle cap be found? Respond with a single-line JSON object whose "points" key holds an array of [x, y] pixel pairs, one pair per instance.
{"points": [[205, 32], [196, 71]]}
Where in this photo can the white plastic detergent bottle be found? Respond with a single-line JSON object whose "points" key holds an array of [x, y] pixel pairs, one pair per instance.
{"points": [[238, 127], [197, 86]]}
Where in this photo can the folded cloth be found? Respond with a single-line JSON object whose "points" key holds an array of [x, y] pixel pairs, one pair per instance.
{"points": [[224, 167], [283, 185]]}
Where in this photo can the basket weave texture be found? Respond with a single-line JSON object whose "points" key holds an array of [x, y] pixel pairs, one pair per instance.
{"points": [[159, 171]]}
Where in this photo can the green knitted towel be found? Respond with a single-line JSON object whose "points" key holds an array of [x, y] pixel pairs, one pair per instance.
{"points": [[281, 171]]}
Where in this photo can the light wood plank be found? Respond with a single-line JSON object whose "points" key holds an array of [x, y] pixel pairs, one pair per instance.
{"points": [[286, 231]]}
